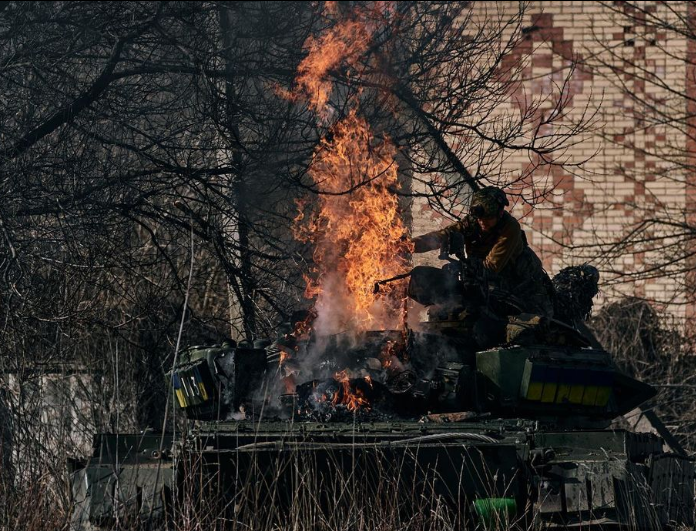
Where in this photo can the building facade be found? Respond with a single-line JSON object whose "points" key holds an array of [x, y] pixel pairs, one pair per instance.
{"points": [[628, 191]]}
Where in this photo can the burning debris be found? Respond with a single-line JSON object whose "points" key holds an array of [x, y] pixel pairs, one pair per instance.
{"points": [[369, 375], [338, 398]]}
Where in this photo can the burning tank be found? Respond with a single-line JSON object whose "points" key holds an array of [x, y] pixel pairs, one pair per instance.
{"points": [[484, 417]]}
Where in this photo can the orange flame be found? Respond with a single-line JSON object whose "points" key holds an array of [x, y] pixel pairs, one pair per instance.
{"points": [[344, 42], [287, 374], [304, 327], [389, 354], [352, 401], [358, 234]]}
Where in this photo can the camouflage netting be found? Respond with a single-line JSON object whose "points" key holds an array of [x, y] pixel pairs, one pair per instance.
{"points": [[575, 288]]}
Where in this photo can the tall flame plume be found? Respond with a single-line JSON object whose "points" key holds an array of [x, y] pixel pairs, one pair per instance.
{"points": [[357, 231], [355, 224]]}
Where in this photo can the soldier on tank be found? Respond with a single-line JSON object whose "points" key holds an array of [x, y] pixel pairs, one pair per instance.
{"points": [[494, 239]]}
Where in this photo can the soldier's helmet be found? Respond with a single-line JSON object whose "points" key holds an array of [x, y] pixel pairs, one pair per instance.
{"points": [[488, 202]]}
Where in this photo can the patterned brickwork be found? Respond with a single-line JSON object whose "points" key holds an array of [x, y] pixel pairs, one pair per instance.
{"points": [[691, 151], [585, 212]]}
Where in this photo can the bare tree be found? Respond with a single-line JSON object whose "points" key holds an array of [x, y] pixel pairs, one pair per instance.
{"points": [[134, 134], [445, 81]]}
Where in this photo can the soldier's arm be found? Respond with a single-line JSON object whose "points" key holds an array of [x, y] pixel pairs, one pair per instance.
{"points": [[433, 240], [508, 246], [428, 242]]}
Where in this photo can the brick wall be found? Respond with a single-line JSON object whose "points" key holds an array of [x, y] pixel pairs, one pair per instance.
{"points": [[589, 209]]}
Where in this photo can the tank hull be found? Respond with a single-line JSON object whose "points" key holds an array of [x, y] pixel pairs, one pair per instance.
{"points": [[481, 472]]}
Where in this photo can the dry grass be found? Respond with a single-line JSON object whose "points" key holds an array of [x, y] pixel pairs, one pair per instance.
{"points": [[290, 491], [377, 498], [296, 492]]}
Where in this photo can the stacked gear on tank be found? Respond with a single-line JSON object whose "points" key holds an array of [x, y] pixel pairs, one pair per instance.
{"points": [[575, 288]]}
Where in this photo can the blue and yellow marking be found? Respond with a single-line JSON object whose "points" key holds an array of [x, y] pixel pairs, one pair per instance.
{"points": [[568, 385], [189, 387]]}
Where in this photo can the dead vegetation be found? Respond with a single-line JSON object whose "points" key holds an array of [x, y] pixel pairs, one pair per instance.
{"points": [[650, 347]]}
